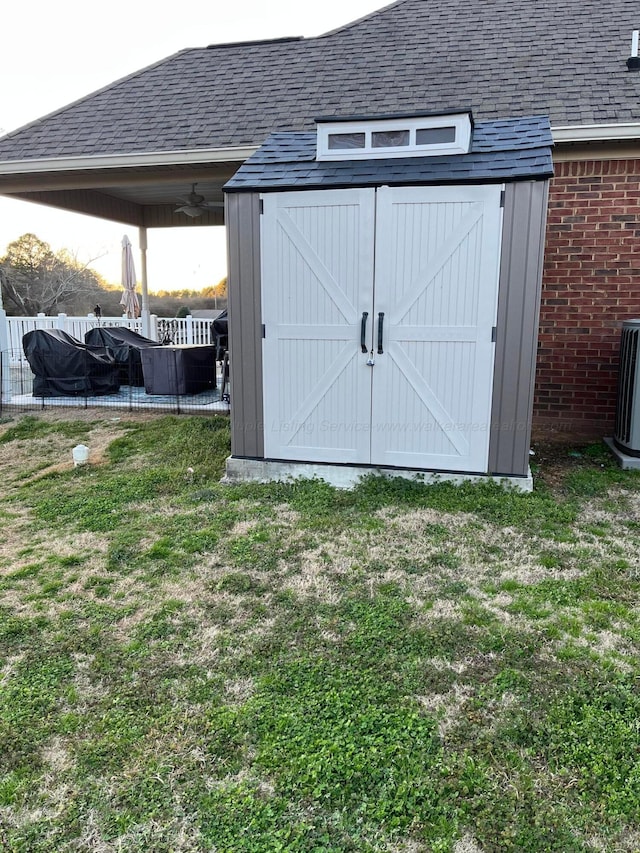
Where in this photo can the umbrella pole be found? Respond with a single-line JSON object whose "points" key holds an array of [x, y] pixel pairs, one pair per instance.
{"points": [[145, 315]]}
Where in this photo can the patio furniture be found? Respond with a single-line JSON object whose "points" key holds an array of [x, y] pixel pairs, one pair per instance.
{"points": [[65, 367], [179, 369], [125, 345], [220, 333]]}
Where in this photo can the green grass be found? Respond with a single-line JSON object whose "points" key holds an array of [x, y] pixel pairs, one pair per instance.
{"points": [[190, 666], [30, 427]]}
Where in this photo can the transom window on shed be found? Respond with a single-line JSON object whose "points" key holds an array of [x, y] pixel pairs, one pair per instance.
{"points": [[399, 136]]}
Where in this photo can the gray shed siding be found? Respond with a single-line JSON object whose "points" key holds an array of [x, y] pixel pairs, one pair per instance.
{"points": [[517, 325], [517, 329], [242, 211]]}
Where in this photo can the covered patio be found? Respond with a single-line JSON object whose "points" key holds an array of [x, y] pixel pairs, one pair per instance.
{"points": [[139, 190]]}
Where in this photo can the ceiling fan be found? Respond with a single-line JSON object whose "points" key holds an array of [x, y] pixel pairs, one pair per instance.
{"points": [[194, 204]]}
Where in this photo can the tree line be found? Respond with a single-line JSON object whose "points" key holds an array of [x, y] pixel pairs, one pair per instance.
{"points": [[35, 279]]}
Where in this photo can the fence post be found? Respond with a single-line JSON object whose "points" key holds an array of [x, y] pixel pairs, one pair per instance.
{"points": [[153, 332], [189, 323], [5, 359], [62, 322], [40, 316]]}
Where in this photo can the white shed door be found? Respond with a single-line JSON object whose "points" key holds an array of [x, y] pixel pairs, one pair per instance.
{"points": [[436, 282], [430, 297], [317, 276]]}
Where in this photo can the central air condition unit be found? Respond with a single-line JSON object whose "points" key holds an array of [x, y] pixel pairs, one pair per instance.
{"points": [[627, 428]]}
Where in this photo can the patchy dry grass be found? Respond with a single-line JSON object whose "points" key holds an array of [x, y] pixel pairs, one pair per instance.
{"points": [[191, 667]]}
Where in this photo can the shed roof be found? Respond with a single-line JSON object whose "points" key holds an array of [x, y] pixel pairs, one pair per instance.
{"points": [[505, 150], [503, 57]]}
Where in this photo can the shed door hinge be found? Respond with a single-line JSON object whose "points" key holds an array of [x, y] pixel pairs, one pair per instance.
{"points": [[261, 205], [264, 331], [502, 197], [494, 334]]}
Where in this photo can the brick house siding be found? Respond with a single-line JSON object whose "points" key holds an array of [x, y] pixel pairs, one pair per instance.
{"points": [[590, 285]]}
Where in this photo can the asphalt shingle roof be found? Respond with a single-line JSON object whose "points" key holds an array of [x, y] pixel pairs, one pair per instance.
{"points": [[499, 57], [500, 151]]}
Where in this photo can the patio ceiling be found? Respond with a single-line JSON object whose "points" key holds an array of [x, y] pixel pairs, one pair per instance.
{"points": [[143, 196]]}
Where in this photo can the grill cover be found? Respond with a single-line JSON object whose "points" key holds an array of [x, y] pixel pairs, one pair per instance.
{"points": [[220, 329]]}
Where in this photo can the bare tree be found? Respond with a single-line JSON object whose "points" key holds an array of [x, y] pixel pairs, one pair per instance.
{"points": [[35, 279]]}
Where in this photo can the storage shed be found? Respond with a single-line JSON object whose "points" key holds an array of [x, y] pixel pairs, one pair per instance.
{"points": [[384, 291]]}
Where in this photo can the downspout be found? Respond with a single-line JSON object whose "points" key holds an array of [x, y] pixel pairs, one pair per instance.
{"points": [[145, 315]]}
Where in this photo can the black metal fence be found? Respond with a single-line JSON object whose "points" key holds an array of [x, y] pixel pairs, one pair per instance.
{"points": [[174, 378]]}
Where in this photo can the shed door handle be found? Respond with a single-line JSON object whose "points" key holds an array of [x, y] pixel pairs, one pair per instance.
{"points": [[363, 331], [380, 330]]}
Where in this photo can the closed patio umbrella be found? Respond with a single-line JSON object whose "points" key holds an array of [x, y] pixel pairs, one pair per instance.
{"points": [[129, 300]]}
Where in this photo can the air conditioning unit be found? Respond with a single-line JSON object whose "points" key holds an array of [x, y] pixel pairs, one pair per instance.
{"points": [[626, 435]]}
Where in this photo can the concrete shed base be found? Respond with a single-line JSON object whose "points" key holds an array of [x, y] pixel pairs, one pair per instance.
{"points": [[240, 470]]}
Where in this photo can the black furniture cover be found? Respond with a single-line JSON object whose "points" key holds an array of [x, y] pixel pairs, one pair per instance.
{"points": [[65, 367], [175, 369], [125, 345]]}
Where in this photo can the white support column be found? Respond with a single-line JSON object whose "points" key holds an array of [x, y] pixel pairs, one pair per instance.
{"points": [[146, 320], [189, 325]]}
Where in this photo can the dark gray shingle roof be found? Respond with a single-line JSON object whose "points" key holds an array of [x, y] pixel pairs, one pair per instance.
{"points": [[500, 151], [499, 57]]}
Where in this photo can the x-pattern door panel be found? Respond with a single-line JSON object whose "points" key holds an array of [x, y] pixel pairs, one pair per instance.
{"points": [[437, 255], [317, 278]]}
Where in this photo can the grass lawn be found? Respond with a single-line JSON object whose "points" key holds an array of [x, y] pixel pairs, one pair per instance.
{"points": [[186, 666]]}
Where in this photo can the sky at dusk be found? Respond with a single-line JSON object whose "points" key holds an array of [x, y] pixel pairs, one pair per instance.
{"points": [[55, 53]]}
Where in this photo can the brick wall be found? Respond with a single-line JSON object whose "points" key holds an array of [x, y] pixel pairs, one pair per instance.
{"points": [[591, 284]]}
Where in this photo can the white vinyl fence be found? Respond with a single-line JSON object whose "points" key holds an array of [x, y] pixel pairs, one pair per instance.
{"points": [[186, 330]]}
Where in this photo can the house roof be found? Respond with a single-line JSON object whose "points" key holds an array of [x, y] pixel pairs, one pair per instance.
{"points": [[501, 150], [501, 57]]}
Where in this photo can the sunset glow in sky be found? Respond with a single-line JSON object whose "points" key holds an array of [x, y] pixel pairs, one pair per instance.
{"points": [[55, 53]]}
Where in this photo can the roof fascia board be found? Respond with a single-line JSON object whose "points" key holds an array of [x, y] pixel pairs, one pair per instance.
{"points": [[596, 132], [119, 161], [566, 134]]}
